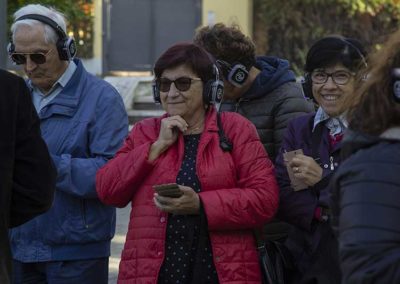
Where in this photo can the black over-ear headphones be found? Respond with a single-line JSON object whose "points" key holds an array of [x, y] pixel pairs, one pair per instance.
{"points": [[236, 73], [66, 46], [213, 90], [396, 84], [307, 82]]}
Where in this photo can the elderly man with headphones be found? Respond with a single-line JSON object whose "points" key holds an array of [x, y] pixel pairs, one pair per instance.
{"points": [[83, 122]]}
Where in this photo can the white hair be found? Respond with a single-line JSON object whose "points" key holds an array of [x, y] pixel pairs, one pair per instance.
{"points": [[50, 36]]}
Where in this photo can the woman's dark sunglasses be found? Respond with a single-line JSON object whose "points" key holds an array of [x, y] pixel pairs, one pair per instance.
{"points": [[36, 57], [182, 84]]}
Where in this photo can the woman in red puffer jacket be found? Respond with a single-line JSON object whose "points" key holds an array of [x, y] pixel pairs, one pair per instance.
{"points": [[205, 235]]}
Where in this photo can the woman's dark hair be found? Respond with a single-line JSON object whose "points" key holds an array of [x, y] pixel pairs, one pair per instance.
{"points": [[336, 49], [186, 54], [373, 108]]}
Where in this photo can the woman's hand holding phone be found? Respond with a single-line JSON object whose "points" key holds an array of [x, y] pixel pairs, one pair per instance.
{"points": [[176, 199]]}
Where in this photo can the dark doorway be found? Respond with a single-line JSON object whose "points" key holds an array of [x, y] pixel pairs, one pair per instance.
{"points": [[138, 31]]}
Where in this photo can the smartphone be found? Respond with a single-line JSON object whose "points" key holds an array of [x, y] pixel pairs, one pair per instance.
{"points": [[168, 190]]}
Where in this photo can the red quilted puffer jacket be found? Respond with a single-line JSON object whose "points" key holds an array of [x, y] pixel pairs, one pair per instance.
{"points": [[238, 192]]}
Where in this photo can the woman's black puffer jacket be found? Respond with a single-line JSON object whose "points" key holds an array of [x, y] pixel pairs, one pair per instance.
{"points": [[366, 210]]}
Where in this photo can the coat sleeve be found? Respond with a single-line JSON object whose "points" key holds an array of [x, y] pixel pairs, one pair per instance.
{"points": [[117, 181], [295, 207], [254, 201], [34, 174], [106, 134], [290, 104], [367, 205]]}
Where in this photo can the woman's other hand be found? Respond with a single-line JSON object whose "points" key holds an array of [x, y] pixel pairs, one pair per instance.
{"points": [[169, 132], [188, 203], [306, 169]]}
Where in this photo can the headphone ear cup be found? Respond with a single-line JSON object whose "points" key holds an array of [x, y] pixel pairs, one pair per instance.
{"points": [[213, 91], [396, 84], [156, 94], [66, 48], [307, 87], [10, 48], [238, 75]]}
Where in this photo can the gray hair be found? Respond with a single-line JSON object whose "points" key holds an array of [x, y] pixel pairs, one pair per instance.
{"points": [[50, 36]]}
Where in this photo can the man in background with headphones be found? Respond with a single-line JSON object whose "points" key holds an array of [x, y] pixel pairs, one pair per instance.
{"points": [[83, 122], [263, 89]]}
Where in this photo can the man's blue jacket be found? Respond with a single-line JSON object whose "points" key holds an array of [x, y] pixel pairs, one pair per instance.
{"points": [[83, 127]]}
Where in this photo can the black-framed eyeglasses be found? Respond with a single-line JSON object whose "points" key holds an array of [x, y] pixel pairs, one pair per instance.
{"points": [[37, 57], [340, 77], [182, 83]]}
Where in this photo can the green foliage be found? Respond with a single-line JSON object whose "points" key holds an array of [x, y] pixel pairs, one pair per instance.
{"points": [[291, 26], [78, 15]]}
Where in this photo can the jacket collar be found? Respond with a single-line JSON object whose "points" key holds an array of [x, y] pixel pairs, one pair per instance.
{"points": [[210, 121], [391, 134], [354, 141], [67, 101]]}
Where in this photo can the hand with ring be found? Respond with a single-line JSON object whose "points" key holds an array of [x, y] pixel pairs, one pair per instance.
{"points": [[306, 169]]}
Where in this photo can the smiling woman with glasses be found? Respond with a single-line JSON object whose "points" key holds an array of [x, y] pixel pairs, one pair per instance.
{"points": [[222, 179], [332, 66]]}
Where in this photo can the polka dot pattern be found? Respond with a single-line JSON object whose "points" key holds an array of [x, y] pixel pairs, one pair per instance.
{"points": [[185, 252]]}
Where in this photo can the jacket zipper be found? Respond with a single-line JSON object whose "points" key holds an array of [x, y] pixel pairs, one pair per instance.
{"points": [[238, 103], [84, 214], [331, 160]]}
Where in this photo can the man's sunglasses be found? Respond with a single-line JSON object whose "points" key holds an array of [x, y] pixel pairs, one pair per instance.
{"points": [[182, 84], [36, 57]]}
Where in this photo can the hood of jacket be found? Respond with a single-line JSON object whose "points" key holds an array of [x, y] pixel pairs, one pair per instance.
{"points": [[274, 73], [354, 141]]}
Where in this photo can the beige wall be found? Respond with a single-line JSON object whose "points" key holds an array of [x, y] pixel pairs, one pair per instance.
{"points": [[229, 11], [94, 65]]}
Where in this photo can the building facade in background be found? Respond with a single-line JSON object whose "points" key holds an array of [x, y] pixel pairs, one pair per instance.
{"points": [[129, 35]]}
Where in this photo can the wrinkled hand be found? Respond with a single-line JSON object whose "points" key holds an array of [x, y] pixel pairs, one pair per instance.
{"points": [[169, 129], [306, 169], [169, 132], [188, 203]]}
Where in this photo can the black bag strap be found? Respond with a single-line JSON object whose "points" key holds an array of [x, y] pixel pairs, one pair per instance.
{"points": [[225, 144], [267, 267]]}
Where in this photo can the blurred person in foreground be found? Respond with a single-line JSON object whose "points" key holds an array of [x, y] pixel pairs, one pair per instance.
{"points": [[220, 166], [263, 89], [366, 188], [332, 64], [83, 122], [27, 173]]}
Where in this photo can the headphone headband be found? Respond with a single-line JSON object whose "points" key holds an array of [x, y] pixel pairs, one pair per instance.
{"points": [[358, 51], [45, 20]]}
